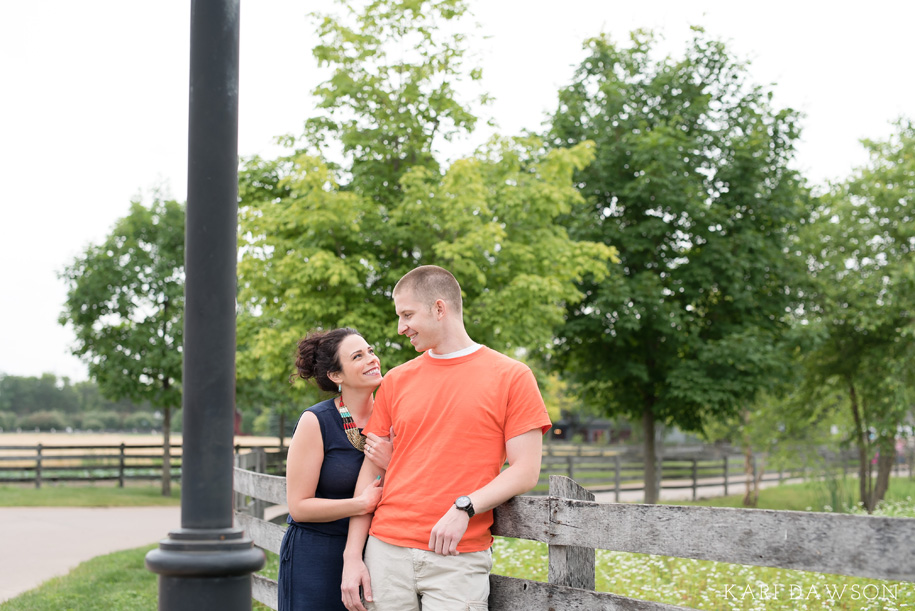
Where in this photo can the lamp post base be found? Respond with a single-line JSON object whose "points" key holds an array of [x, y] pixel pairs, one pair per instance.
{"points": [[205, 569]]}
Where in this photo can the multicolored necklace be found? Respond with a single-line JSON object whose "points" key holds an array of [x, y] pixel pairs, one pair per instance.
{"points": [[349, 426]]}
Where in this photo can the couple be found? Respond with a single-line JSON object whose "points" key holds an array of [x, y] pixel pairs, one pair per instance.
{"points": [[436, 437]]}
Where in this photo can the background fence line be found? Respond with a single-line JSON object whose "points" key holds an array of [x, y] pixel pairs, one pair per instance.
{"points": [[41, 463], [599, 469]]}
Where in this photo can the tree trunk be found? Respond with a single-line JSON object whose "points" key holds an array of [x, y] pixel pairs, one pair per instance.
{"points": [[651, 480], [884, 470], [864, 464]]}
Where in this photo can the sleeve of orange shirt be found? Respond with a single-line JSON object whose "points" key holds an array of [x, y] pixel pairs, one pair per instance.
{"points": [[526, 410], [380, 421]]}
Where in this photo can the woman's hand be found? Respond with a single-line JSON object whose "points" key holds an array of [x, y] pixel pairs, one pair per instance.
{"points": [[379, 449], [370, 497]]}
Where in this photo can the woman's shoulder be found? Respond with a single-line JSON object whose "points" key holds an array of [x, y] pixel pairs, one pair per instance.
{"points": [[322, 407]]}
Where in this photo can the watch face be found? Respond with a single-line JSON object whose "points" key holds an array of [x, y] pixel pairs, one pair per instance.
{"points": [[463, 502]]}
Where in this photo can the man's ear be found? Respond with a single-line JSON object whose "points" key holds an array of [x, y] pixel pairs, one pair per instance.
{"points": [[439, 308]]}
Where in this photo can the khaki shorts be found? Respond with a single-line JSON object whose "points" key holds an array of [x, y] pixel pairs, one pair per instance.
{"points": [[407, 579]]}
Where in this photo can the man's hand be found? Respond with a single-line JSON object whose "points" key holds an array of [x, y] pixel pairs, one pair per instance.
{"points": [[355, 575], [448, 531]]}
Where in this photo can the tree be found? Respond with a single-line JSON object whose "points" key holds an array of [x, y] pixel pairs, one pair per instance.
{"points": [[125, 302], [860, 247], [391, 97], [26, 395], [691, 183], [324, 243]]}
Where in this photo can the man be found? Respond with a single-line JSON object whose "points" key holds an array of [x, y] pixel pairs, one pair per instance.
{"points": [[458, 411]]}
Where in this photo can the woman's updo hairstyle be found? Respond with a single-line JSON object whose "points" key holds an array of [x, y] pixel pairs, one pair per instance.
{"points": [[316, 356]]}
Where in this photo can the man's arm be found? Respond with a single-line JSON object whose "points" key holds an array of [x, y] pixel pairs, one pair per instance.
{"points": [[355, 574], [524, 453]]}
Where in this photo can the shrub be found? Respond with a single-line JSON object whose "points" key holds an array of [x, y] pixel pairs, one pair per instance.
{"points": [[143, 421], [44, 421], [8, 421]]}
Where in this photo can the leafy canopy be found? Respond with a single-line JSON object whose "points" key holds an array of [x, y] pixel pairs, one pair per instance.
{"points": [[125, 302], [691, 182]]}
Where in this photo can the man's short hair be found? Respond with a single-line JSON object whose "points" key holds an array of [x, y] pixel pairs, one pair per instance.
{"points": [[430, 283]]}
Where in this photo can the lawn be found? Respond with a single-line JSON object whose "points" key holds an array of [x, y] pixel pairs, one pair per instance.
{"points": [[135, 495], [119, 581]]}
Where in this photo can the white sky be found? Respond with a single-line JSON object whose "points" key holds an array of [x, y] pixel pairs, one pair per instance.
{"points": [[93, 106]]}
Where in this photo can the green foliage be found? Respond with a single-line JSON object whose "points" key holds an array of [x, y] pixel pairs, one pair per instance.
{"points": [[859, 247], [392, 91], [44, 421], [691, 183], [317, 256], [101, 420], [125, 302], [323, 243], [24, 395], [8, 421], [140, 421]]}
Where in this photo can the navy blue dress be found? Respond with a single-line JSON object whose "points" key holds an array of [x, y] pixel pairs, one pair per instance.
{"points": [[311, 556]]}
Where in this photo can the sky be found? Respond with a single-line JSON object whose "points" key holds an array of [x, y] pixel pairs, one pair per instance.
{"points": [[93, 106]]}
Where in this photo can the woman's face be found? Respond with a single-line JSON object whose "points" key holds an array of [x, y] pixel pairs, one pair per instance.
{"points": [[360, 368]]}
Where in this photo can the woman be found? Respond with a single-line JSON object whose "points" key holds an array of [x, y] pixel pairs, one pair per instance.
{"points": [[322, 465]]}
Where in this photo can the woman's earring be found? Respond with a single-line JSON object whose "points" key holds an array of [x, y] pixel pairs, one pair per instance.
{"points": [[339, 387]]}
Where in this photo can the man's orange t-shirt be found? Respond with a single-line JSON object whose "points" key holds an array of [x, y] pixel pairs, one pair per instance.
{"points": [[451, 418]]}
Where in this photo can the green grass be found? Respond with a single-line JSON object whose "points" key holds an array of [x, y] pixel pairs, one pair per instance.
{"points": [[710, 585], [836, 495], [87, 496], [111, 582]]}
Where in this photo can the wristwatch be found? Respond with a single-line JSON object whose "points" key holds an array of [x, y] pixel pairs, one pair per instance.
{"points": [[464, 504]]}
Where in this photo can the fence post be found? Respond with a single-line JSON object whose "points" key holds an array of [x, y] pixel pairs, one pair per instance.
{"points": [[725, 475], [616, 478], [659, 472], [569, 565], [695, 474], [260, 466], [121, 467], [38, 466], [570, 461]]}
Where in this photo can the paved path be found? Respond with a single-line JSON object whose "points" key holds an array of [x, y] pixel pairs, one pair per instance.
{"points": [[686, 493], [37, 543]]}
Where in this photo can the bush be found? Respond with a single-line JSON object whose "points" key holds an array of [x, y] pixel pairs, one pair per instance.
{"points": [[8, 421], [99, 420], [44, 421], [142, 421]]}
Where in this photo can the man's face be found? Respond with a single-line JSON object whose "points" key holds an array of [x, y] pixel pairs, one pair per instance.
{"points": [[416, 321]]}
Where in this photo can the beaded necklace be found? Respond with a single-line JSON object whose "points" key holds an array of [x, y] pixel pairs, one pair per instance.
{"points": [[349, 425]]}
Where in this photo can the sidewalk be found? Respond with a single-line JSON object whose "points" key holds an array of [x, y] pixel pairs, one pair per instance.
{"points": [[686, 494], [38, 543]]}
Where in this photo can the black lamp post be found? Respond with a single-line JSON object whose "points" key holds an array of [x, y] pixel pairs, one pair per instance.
{"points": [[207, 563]]}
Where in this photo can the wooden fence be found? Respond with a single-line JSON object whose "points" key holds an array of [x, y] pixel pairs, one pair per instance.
{"points": [[97, 463], [574, 526], [600, 469]]}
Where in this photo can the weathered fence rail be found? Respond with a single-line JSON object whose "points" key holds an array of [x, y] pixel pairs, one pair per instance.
{"points": [[41, 463], [574, 526]]}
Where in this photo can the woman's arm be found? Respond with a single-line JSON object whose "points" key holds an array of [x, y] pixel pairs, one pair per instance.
{"points": [[303, 468]]}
